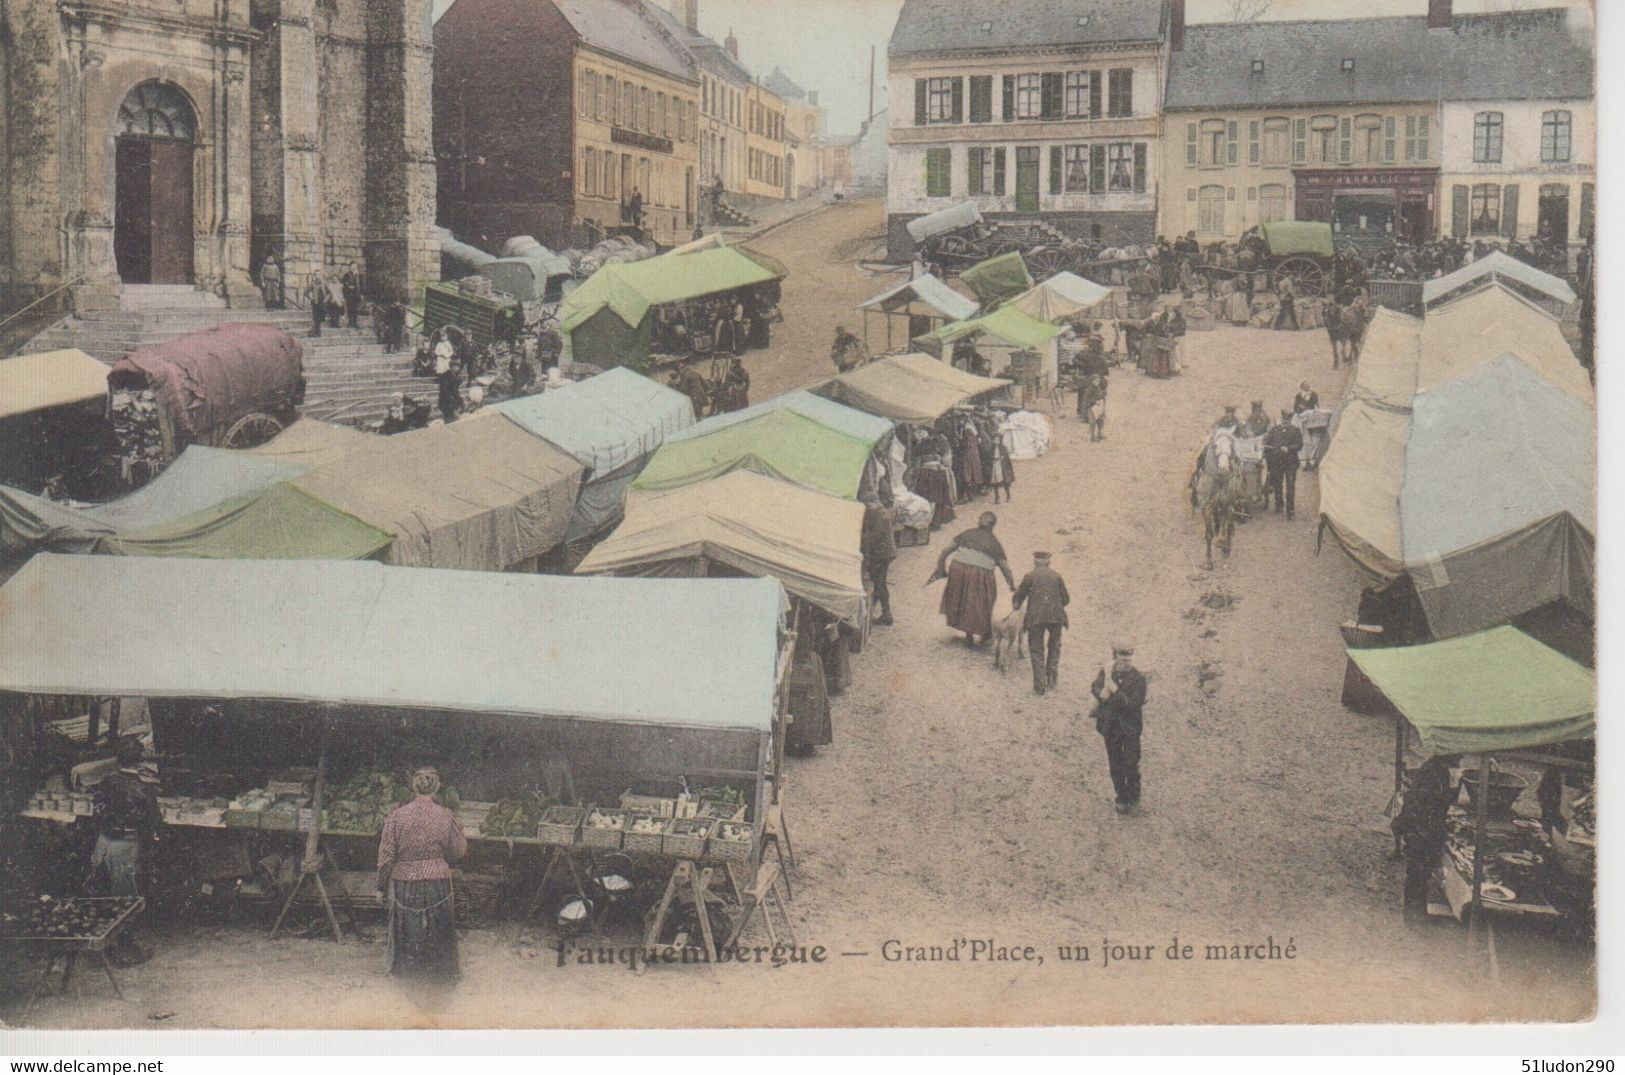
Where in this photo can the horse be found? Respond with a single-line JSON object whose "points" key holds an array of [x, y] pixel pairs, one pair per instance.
{"points": [[1213, 490], [1346, 327]]}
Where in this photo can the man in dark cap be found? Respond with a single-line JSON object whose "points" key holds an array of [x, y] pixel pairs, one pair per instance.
{"points": [[1044, 593], [1119, 704], [879, 547], [1282, 446], [1229, 420], [127, 821]]}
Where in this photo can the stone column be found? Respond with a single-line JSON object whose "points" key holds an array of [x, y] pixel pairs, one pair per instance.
{"points": [[232, 239], [90, 225], [285, 103], [402, 254]]}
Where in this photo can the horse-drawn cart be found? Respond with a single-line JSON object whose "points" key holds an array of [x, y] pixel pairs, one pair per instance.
{"points": [[953, 239]]}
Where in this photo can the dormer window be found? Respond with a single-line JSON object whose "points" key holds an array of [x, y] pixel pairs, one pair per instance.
{"points": [[1258, 67], [1348, 64]]}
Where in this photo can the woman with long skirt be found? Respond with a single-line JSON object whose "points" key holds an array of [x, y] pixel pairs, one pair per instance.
{"points": [[419, 842], [968, 564]]}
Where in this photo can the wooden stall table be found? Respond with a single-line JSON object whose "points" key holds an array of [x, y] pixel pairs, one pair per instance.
{"points": [[115, 915]]}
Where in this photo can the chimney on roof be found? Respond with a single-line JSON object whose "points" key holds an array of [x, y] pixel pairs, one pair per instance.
{"points": [[731, 43], [1440, 15], [1176, 25], [688, 13]]}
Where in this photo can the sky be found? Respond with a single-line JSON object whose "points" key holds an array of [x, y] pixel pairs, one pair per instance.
{"points": [[824, 45]]}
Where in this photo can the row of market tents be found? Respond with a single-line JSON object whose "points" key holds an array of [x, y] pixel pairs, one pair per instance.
{"points": [[769, 490], [1463, 459]]}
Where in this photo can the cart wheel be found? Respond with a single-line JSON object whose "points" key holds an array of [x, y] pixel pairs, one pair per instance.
{"points": [[1047, 260], [1306, 275], [252, 431]]}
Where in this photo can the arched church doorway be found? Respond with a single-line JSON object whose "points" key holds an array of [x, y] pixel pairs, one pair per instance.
{"points": [[152, 223]]}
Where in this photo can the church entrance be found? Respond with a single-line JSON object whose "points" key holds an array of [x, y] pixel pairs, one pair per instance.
{"points": [[152, 224]]}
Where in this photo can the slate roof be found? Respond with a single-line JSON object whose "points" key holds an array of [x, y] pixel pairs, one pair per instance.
{"points": [[956, 25], [1528, 55], [618, 28], [782, 86], [705, 52]]}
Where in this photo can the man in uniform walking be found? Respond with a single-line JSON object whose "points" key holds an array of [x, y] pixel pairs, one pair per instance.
{"points": [[1119, 703], [879, 546], [1282, 446], [1044, 593]]}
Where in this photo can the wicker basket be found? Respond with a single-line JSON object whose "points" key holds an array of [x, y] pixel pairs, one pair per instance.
{"points": [[561, 825], [477, 902], [603, 839], [720, 850], [648, 843], [686, 837]]}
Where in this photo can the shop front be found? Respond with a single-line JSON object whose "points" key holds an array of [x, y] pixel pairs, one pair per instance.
{"points": [[1372, 206]]}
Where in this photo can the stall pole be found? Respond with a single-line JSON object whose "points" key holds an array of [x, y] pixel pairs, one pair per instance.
{"points": [[93, 730], [310, 866], [1399, 754], [1481, 827], [113, 719]]}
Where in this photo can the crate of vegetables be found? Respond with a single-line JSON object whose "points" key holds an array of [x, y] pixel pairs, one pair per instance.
{"points": [[603, 829], [644, 833], [561, 825], [686, 836], [731, 841]]}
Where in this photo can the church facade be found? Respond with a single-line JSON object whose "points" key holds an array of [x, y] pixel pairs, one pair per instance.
{"points": [[184, 141]]}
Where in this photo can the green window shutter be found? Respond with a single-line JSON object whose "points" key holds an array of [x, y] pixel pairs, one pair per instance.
{"points": [[1094, 94], [973, 173], [1509, 210], [959, 100], [1300, 141], [1139, 167], [1345, 139], [1458, 210], [1097, 169], [1230, 142], [1588, 208], [1253, 153], [1410, 138], [1055, 169], [919, 102], [981, 98], [1388, 140], [1190, 144], [1051, 98], [998, 170], [1009, 98], [1422, 151]]}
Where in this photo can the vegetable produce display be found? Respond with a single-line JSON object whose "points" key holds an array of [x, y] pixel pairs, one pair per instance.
{"points": [[733, 832], [599, 819], [647, 825], [74, 919], [361, 803], [517, 816]]}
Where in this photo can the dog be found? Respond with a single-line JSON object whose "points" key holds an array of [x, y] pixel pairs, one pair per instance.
{"points": [[1010, 636]]}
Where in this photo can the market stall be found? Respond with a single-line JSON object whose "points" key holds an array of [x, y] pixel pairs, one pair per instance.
{"points": [[925, 303], [310, 442], [1549, 292], [481, 494], [611, 424], [854, 423], [269, 734], [998, 278], [1500, 701], [914, 388], [1014, 344], [611, 319], [1064, 297], [780, 443], [54, 422]]}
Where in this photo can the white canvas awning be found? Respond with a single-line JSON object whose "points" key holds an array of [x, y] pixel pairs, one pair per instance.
{"points": [[1497, 265], [927, 289]]}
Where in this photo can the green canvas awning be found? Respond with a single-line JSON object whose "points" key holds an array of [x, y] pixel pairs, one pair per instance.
{"points": [[1006, 323], [997, 279], [781, 444], [1286, 237], [630, 289], [276, 523], [1496, 690]]}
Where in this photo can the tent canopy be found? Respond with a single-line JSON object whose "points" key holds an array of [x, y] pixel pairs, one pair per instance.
{"points": [[1389, 357], [1462, 336], [1287, 237], [1360, 483], [528, 645], [277, 523], [808, 541], [1497, 511], [914, 388], [997, 279], [605, 421], [942, 299], [630, 289], [854, 423], [781, 443], [963, 215], [1497, 690], [212, 378], [31, 383], [198, 479], [1498, 265], [1062, 296], [1006, 324], [480, 493], [310, 443]]}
